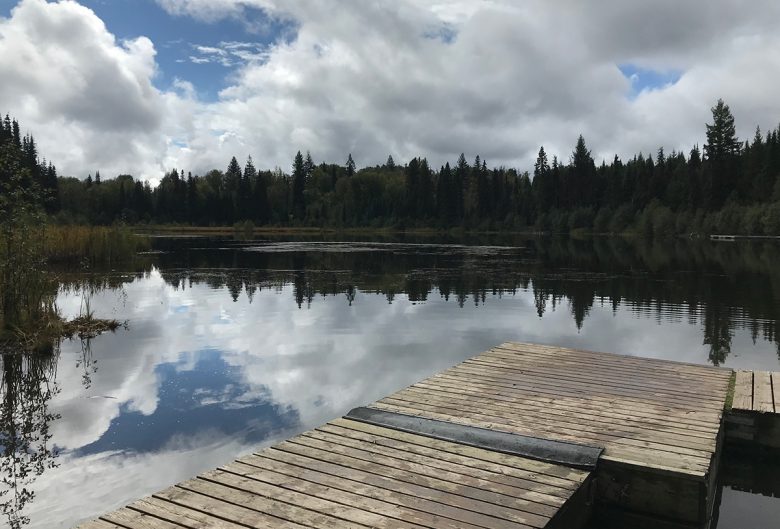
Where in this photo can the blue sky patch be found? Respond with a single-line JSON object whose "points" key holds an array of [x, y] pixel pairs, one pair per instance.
{"points": [[445, 33], [646, 79], [203, 53], [212, 397]]}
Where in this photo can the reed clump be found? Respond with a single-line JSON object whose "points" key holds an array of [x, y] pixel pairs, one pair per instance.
{"points": [[95, 245], [29, 319]]}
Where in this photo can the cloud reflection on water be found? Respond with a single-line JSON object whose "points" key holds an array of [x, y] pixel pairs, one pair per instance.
{"points": [[207, 371]]}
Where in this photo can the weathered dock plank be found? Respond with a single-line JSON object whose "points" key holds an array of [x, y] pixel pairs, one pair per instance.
{"points": [[776, 390], [743, 391], [762, 392]]}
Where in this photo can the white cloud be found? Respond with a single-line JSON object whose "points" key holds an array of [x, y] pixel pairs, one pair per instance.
{"points": [[368, 78]]}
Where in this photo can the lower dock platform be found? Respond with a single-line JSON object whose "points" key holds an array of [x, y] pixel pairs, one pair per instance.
{"points": [[754, 416]]}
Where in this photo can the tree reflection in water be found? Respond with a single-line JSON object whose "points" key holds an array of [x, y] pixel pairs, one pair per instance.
{"points": [[28, 384], [720, 287]]}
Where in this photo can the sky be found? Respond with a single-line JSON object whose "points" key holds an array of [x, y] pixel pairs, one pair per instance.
{"points": [[143, 86]]}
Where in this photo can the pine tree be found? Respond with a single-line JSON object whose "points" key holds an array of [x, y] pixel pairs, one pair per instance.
{"points": [[16, 135], [232, 183], [192, 199], [412, 180], [580, 184], [260, 199], [425, 198], [8, 128], [459, 183], [299, 182], [245, 190], [308, 165], [232, 175], [390, 163], [541, 184], [350, 166], [722, 141], [721, 151], [445, 196]]}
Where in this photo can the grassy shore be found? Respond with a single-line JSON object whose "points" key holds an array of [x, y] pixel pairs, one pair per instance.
{"points": [[271, 231], [94, 245], [31, 262]]}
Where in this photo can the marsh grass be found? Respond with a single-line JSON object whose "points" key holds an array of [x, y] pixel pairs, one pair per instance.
{"points": [[30, 321], [93, 245]]}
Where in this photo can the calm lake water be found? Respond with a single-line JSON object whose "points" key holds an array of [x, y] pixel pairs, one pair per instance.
{"points": [[231, 345]]}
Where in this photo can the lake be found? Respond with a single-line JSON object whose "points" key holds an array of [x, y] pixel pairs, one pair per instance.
{"points": [[232, 344]]}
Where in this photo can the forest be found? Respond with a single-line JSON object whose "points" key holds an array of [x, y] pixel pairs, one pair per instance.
{"points": [[728, 186]]}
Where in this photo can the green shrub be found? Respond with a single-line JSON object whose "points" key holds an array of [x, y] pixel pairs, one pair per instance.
{"points": [[622, 219], [771, 219]]}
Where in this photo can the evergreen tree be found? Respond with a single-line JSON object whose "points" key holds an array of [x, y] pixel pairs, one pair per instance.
{"points": [[231, 188], [260, 199], [250, 173], [459, 183], [412, 180], [299, 182], [542, 185], [350, 166], [445, 205], [308, 165], [425, 199], [581, 178], [192, 199], [16, 135], [245, 190], [722, 142], [721, 151], [390, 163]]}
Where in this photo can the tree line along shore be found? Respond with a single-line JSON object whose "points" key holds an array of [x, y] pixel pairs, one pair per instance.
{"points": [[726, 186]]}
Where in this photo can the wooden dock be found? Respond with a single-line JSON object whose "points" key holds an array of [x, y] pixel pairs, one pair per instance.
{"points": [[755, 410], [522, 436]]}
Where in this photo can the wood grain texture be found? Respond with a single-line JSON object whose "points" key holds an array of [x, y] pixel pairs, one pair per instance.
{"points": [[762, 392], [743, 391]]}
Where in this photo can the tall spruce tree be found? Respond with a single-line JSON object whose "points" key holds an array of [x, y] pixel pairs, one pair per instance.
{"points": [[721, 151], [459, 182], [232, 183], [580, 184], [541, 183], [299, 183], [722, 141], [308, 165]]}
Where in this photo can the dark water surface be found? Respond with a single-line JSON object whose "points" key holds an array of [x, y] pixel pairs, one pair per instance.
{"points": [[232, 345]]}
